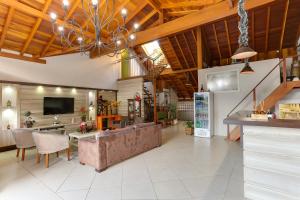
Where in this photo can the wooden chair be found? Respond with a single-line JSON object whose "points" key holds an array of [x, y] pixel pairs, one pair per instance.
{"points": [[50, 142], [23, 139]]}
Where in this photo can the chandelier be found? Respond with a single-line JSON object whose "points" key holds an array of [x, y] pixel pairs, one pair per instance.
{"points": [[109, 34]]}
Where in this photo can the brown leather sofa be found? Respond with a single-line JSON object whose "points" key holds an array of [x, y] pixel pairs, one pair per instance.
{"points": [[111, 147]]}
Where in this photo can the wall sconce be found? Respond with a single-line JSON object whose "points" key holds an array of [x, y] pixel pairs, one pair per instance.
{"points": [[58, 90], [8, 90], [40, 89], [74, 91]]}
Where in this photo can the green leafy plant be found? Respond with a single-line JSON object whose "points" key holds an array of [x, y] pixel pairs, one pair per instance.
{"points": [[173, 110], [189, 124]]}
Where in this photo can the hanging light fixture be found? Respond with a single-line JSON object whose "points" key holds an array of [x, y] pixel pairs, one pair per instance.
{"points": [[247, 69], [188, 81], [244, 51], [109, 33]]}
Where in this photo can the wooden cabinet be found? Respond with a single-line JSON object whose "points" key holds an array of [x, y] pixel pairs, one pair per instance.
{"points": [[134, 110]]}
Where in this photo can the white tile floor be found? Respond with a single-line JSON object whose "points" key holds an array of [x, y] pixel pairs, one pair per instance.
{"points": [[183, 168]]}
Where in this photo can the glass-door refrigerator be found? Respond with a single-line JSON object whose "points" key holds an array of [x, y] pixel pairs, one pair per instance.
{"points": [[203, 114]]}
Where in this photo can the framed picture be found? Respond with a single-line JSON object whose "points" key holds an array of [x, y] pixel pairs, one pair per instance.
{"points": [[226, 81]]}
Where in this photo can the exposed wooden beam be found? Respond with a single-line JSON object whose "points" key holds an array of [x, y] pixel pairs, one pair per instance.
{"points": [[217, 41], [10, 14], [199, 48], [267, 28], [230, 3], [298, 36], [180, 13], [35, 27], [203, 16], [284, 23], [184, 4], [147, 17], [25, 58], [69, 15], [228, 37], [169, 71], [154, 5]]}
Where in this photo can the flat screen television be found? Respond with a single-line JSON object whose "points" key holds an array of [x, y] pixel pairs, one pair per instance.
{"points": [[58, 105]]}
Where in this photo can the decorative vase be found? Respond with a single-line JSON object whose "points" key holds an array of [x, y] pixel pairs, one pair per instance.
{"points": [[8, 103], [83, 127]]}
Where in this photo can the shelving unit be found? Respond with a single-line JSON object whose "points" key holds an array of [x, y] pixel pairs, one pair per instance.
{"points": [[9, 118]]}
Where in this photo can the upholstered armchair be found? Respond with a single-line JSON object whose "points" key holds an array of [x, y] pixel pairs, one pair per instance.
{"points": [[50, 142], [23, 139]]}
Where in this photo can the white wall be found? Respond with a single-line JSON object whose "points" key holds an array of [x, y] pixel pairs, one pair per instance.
{"points": [[127, 89], [224, 102], [70, 70]]}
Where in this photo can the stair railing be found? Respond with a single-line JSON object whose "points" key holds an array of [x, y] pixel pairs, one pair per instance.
{"points": [[253, 91]]}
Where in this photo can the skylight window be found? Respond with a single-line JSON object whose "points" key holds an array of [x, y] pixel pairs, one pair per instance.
{"points": [[153, 50]]}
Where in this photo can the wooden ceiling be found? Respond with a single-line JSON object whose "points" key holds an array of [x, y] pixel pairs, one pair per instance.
{"points": [[178, 24]]}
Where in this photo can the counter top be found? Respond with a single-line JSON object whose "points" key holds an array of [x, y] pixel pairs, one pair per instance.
{"points": [[241, 118]]}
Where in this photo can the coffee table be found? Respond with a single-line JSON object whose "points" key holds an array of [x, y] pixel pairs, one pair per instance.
{"points": [[78, 136]]}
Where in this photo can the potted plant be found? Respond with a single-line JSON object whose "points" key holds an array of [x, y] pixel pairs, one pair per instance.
{"points": [[173, 113], [83, 114], [189, 128], [29, 122]]}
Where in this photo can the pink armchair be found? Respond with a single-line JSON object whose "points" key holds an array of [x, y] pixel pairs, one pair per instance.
{"points": [[50, 142], [23, 139]]}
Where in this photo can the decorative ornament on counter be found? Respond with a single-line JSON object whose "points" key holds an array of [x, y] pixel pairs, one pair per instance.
{"points": [[28, 122], [8, 104]]}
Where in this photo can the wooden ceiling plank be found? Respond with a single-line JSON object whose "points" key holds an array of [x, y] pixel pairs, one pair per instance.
{"points": [[253, 32], [172, 48], [189, 49], [19, 57], [34, 12], [9, 17], [199, 48], [228, 37], [203, 16], [35, 28], [169, 71], [136, 11], [185, 61], [217, 41], [284, 23], [230, 3], [267, 28], [69, 15], [184, 4]]}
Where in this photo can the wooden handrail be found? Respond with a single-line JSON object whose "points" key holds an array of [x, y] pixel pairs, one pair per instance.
{"points": [[255, 87]]}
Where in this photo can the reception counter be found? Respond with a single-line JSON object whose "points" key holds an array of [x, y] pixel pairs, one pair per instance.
{"points": [[271, 157]]}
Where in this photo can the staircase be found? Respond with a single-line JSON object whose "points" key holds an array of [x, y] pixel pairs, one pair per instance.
{"points": [[280, 92], [269, 102]]}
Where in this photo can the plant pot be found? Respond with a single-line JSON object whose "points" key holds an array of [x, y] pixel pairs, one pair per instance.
{"points": [[189, 131], [29, 124], [174, 121]]}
